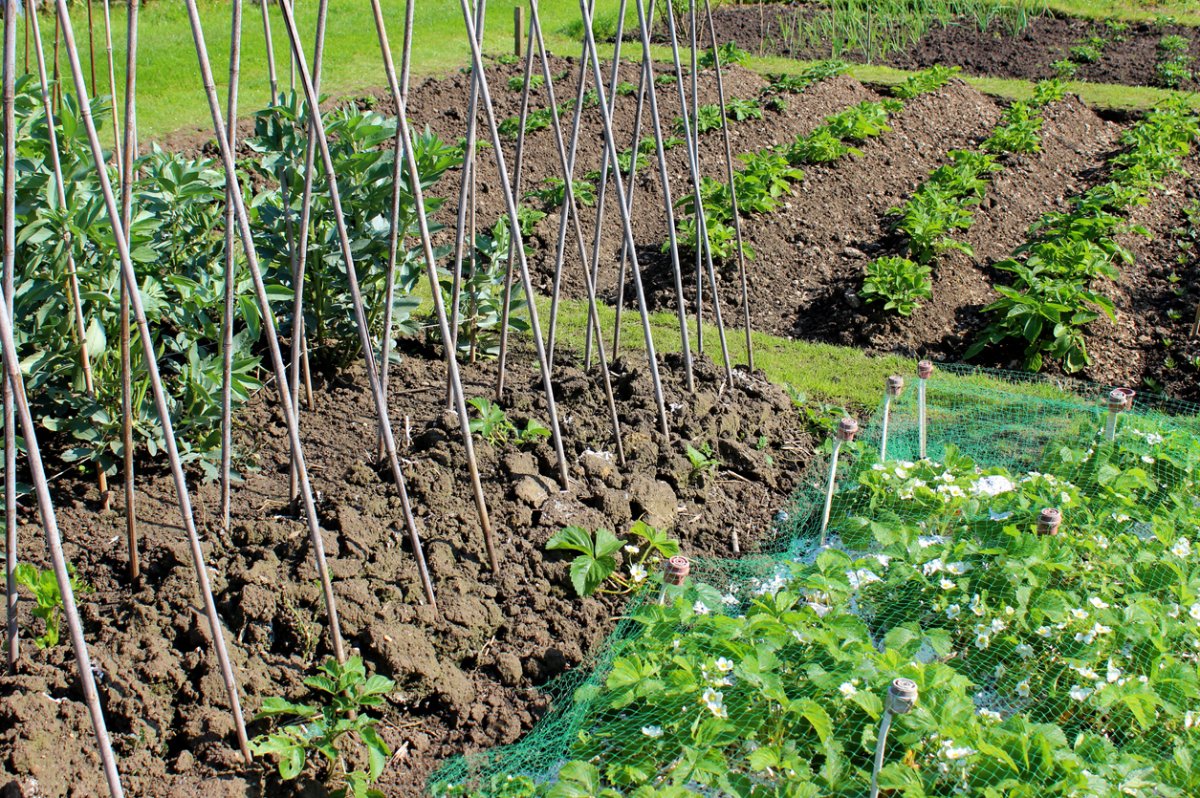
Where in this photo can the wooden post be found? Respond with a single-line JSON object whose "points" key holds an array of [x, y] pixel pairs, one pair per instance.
{"points": [[518, 26]]}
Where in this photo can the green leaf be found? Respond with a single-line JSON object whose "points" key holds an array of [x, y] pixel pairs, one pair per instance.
{"points": [[377, 751], [588, 573], [572, 538], [606, 543]]}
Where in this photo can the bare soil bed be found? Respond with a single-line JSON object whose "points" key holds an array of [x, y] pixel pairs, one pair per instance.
{"points": [[1129, 58], [466, 676]]}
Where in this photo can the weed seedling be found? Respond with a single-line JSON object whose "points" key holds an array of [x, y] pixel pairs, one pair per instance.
{"points": [[703, 461], [44, 587]]}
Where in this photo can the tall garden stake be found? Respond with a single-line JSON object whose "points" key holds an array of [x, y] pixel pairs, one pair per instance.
{"points": [[230, 273], [891, 390], [901, 698], [272, 77], [611, 143], [83, 662], [160, 399], [535, 28], [12, 646], [924, 372], [127, 177], [439, 307], [286, 405], [85, 360], [847, 429], [737, 219], [514, 223], [364, 332], [112, 83]]}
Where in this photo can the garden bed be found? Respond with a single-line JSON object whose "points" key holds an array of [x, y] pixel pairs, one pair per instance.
{"points": [[466, 674]]}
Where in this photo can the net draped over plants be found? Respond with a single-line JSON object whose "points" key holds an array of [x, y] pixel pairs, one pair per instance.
{"points": [[1058, 664]]}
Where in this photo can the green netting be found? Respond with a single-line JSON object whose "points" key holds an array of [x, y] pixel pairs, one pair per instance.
{"points": [[1047, 664]]}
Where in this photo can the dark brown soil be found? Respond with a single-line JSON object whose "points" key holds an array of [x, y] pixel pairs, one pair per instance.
{"points": [[465, 675], [1129, 57]]}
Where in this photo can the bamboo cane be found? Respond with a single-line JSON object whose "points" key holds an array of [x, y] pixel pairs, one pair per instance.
{"points": [[364, 333], [230, 275], [611, 143], [737, 219], [13, 646], [112, 83], [91, 45], [127, 178], [272, 77], [160, 399]]}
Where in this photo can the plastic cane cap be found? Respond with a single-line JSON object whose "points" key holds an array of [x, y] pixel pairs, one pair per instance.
{"points": [[925, 369], [847, 429], [895, 384], [1118, 401], [676, 570], [902, 696], [1128, 393], [1048, 521]]}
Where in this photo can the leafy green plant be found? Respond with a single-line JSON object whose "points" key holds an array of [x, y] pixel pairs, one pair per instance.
{"points": [[494, 426], [794, 84], [767, 176], [481, 300], [517, 82], [708, 119], [1065, 68], [898, 282], [863, 121], [337, 721], [626, 89], [703, 461], [1173, 44], [44, 586], [925, 81], [1085, 54], [728, 52], [819, 146], [597, 564], [740, 109], [528, 219], [1020, 133], [553, 193]]}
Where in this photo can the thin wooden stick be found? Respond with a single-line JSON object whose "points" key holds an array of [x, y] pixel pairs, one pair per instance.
{"points": [[127, 179], [272, 77], [160, 398], [406, 54], [364, 332], [12, 637], [626, 223], [737, 219], [92, 45], [439, 307], [235, 62]]}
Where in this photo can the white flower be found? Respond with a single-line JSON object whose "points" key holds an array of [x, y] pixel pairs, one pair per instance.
{"points": [[1153, 438], [901, 473], [878, 467], [1009, 610], [637, 573], [976, 606], [982, 641], [1147, 459], [1182, 548], [950, 491], [1101, 629], [991, 486], [1113, 672], [715, 701], [1080, 693], [925, 541], [729, 599], [958, 568], [1121, 518], [948, 585], [932, 567], [1024, 651], [953, 611], [861, 578], [952, 752], [652, 732], [1098, 603], [724, 665], [1065, 497], [1191, 719], [998, 626], [1194, 611], [700, 608], [847, 689], [991, 715], [1086, 672], [1023, 689], [1087, 639], [1173, 611], [631, 549], [1079, 614], [1044, 631]]}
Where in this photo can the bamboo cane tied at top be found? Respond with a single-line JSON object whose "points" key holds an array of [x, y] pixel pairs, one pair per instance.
{"points": [[127, 177], [535, 27], [644, 23], [269, 326], [130, 278], [364, 334], [12, 644], [439, 308], [737, 219], [269, 45], [514, 224], [385, 51], [230, 271], [626, 223]]}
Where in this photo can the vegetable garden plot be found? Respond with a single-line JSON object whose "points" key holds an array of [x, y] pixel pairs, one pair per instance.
{"points": [[1051, 654]]}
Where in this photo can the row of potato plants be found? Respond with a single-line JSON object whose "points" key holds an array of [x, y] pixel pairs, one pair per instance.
{"points": [[944, 205], [769, 174], [1052, 299], [177, 247], [1058, 664]]}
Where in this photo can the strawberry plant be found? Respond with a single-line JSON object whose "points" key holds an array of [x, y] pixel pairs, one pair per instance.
{"points": [[897, 282], [336, 726], [596, 563], [925, 81], [728, 52], [739, 109], [494, 426]]}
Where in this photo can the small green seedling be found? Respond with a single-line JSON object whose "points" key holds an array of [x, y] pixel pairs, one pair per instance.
{"points": [[44, 587], [597, 560], [495, 427], [703, 461], [345, 693]]}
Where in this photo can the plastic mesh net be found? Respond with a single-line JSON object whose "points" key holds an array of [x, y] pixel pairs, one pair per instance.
{"points": [[1047, 661]]}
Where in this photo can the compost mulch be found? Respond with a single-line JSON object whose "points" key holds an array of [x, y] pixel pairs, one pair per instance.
{"points": [[996, 51], [467, 675]]}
